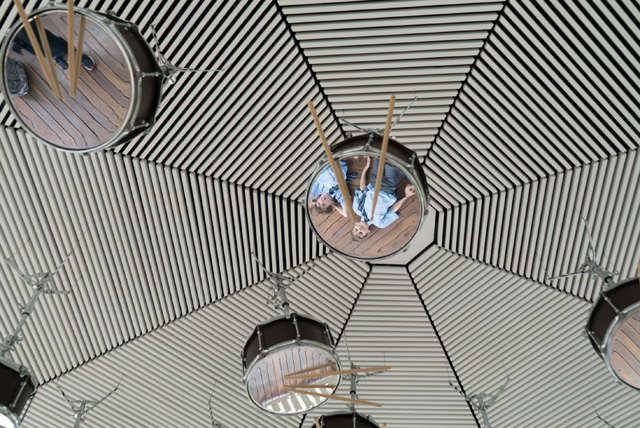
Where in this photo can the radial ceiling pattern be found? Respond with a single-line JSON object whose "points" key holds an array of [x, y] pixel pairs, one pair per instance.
{"points": [[526, 118]]}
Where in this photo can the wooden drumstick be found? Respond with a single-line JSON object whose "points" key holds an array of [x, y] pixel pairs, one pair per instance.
{"points": [[383, 153], [339, 372], [71, 28], [336, 167], [78, 61], [317, 422], [47, 52], [384, 426], [34, 43]]}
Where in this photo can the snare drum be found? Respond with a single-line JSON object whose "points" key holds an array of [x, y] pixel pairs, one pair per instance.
{"points": [[282, 347], [346, 420], [335, 230], [613, 328], [18, 388], [116, 101]]}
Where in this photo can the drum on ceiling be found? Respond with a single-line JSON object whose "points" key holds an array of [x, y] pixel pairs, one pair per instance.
{"points": [[335, 230], [613, 328], [115, 102], [284, 346]]}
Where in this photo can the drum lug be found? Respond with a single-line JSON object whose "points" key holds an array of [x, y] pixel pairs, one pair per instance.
{"points": [[295, 325], [260, 347], [142, 124], [615, 308]]}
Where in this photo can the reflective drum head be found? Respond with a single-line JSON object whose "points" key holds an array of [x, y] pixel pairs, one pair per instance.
{"points": [[105, 103], [400, 209], [284, 354]]}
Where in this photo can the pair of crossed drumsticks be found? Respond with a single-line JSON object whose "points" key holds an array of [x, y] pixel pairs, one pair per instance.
{"points": [[338, 171], [74, 57]]}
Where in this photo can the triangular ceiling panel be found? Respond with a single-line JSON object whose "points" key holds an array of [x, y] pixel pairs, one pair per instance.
{"points": [[159, 243], [388, 326], [555, 87], [488, 318], [170, 373], [364, 52], [536, 230]]}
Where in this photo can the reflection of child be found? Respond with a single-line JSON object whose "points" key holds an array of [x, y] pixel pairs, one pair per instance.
{"points": [[388, 204], [325, 192]]}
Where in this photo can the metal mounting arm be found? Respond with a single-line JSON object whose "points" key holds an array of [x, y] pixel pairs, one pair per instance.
{"points": [[80, 408]]}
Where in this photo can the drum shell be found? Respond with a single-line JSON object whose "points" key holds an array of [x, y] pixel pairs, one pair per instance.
{"points": [[345, 420], [624, 295], [18, 386], [145, 74], [281, 331]]}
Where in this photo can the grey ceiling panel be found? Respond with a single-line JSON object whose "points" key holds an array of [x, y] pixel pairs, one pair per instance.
{"points": [[170, 373], [488, 318], [364, 52], [536, 230], [388, 326], [556, 86], [159, 244]]}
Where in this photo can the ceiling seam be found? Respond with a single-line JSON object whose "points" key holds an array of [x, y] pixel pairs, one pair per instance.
{"points": [[344, 327], [464, 82], [444, 349], [564, 292], [309, 67], [181, 317]]}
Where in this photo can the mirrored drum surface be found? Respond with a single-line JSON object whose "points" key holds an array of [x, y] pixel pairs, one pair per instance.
{"points": [[266, 382], [399, 210], [625, 350], [99, 109]]}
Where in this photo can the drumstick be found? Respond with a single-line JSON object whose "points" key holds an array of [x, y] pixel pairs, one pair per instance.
{"points": [[336, 168], [333, 397], [317, 422], [384, 426], [34, 42], [383, 153], [339, 372], [71, 28], [315, 386], [78, 54], [47, 51], [310, 369]]}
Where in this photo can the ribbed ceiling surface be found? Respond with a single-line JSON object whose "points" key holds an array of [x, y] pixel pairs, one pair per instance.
{"points": [[527, 118]]}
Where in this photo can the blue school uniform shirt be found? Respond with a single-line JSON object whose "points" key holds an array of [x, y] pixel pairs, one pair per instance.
{"points": [[384, 215], [326, 182]]}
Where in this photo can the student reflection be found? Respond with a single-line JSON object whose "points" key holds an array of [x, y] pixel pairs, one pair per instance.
{"points": [[388, 204], [325, 193]]}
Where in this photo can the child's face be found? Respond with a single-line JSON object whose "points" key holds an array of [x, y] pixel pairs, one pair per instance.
{"points": [[360, 229]]}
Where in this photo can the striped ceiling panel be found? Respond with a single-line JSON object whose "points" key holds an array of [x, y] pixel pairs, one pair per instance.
{"points": [[488, 318], [170, 373], [557, 86], [536, 230], [388, 326], [364, 52], [246, 124], [159, 243]]}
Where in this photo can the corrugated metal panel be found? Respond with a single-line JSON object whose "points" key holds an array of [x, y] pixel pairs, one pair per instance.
{"points": [[363, 52], [389, 326], [535, 229], [555, 87], [160, 243], [487, 317], [170, 373]]}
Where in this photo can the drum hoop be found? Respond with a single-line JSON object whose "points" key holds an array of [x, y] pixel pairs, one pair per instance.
{"points": [[368, 418], [625, 314], [106, 24], [423, 194], [287, 345]]}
